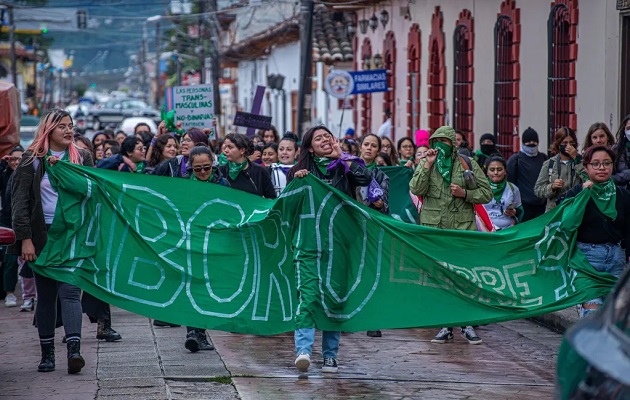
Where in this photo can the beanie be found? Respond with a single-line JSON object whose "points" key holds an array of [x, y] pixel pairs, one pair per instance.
{"points": [[530, 135], [487, 136], [422, 138]]}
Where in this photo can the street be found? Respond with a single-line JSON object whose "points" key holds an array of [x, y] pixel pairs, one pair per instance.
{"points": [[516, 360]]}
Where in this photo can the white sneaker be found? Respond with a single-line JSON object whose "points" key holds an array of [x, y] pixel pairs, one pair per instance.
{"points": [[10, 300], [302, 362], [27, 305]]}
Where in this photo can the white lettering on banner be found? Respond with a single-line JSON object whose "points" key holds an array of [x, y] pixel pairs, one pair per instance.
{"points": [[556, 242]]}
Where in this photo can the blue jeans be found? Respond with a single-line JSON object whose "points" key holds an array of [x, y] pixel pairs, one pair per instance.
{"points": [[305, 337], [607, 257]]}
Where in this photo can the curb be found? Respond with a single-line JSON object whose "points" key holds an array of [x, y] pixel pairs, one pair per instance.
{"points": [[558, 321]]}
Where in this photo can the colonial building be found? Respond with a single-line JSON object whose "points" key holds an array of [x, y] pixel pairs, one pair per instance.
{"points": [[496, 65]]}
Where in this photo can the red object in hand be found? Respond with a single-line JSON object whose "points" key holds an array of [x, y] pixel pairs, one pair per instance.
{"points": [[7, 236]]}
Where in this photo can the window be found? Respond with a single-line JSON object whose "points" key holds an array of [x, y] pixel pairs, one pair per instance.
{"points": [[413, 80], [366, 99], [389, 63], [463, 75], [507, 32], [436, 79], [561, 83]]}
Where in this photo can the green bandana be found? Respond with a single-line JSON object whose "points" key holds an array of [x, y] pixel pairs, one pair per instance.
{"points": [[403, 162], [193, 177], [444, 160], [322, 163], [140, 166], [169, 120], [236, 168], [605, 195], [371, 165], [222, 159], [497, 189]]}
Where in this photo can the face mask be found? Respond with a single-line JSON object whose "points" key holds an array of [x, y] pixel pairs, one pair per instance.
{"points": [[563, 150], [531, 150], [628, 134], [487, 149]]}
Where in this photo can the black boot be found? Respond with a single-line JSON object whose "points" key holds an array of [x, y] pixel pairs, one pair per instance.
{"points": [[105, 332], [374, 333], [203, 340], [192, 341], [75, 361], [48, 357]]}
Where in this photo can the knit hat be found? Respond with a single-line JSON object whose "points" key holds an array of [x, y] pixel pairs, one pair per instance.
{"points": [[487, 136], [530, 135], [422, 138], [349, 133], [16, 148]]}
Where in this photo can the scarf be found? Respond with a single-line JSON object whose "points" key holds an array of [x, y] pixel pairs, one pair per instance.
{"points": [[497, 189], [322, 163], [403, 162], [140, 166], [604, 196], [371, 165], [222, 159], [235, 168], [444, 160]]}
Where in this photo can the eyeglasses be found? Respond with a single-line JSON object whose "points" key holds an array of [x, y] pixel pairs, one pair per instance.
{"points": [[386, 146], [605, 164], [204, 168], [407, 146], [186, 140]]}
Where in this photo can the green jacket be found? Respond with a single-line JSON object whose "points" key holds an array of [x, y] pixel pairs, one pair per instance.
{"points": [[439, 208], [571, 173]]}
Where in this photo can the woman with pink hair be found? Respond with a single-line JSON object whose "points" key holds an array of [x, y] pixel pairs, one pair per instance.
{"points": [[34, 201]]}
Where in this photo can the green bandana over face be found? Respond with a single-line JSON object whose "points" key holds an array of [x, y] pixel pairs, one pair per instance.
{"points": [[605, 196], [222, 159], [235, 168], [497, 189], [371, 165], [140, 166], [322, 163], [444, 160]]}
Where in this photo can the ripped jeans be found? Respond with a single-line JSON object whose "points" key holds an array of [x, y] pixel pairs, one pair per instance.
{"points": [[608, 257]]}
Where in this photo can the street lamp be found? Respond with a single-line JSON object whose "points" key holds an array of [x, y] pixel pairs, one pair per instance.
{"points": [[363, 26], [384, 18], [373, 22]]}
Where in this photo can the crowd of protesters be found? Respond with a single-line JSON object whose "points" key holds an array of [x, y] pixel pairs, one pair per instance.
{"points": [[452, 186]]}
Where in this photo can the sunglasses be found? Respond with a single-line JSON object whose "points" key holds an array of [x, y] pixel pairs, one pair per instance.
{"points": [[204, 168]]}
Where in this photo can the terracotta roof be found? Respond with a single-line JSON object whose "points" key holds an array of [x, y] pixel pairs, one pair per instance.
{"points": [[257, 45], [331, 42]]}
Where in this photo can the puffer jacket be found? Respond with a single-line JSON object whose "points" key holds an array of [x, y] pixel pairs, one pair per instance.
{"points": [[571, 173], [440, 209]]}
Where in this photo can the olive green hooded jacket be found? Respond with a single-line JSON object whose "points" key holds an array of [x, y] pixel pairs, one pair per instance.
{"points": [[440, 209]]}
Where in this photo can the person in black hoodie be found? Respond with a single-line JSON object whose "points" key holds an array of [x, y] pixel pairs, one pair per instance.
{"points": [[487, 149], [241, 173], [523, 169]]}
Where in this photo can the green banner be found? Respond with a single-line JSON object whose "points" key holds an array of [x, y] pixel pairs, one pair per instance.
{"points": [[204, 255], [400, 205]]}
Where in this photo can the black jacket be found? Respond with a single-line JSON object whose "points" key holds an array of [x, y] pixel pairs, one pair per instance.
{"points": [[523, 171], [172, 167], [347, 183], [26, 203], [5, 195], [383, 181], [254, 179]]}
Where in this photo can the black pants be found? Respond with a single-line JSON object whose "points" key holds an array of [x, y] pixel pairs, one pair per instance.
{"points": [[48, 290], [532, 211], [95, 308]]}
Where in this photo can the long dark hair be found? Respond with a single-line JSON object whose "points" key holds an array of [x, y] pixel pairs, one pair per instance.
{"points": [[559, 136], [305, 159], [158, 148], [620, 149]]}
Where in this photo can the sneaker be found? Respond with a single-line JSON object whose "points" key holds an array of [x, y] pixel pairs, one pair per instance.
{"points": [[444, 335], [330, 365], [28, 305], [469, 334], [10, 300], [302, 362], [374, 333]]}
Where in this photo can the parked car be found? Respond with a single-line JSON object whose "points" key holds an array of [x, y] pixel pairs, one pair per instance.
{"points": [[114, 111], [28, 126], [129, 124], [594, 358]]}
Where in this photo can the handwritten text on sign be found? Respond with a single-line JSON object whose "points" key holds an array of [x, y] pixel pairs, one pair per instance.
{"points": [[194, 106]]}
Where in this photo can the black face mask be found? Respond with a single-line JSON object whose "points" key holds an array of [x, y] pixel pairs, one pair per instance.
{"points": [[488, 149], [563, 150]]}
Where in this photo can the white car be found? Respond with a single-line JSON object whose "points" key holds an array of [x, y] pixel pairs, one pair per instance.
{"points": [[128, 124]]}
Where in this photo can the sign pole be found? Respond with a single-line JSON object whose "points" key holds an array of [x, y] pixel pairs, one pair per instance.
{"points": [[258, 99], [343, 111]]}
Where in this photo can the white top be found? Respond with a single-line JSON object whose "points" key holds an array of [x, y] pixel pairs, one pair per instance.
{"points": [[385, 129], [49, 195], [496, 211], [278, 177]]}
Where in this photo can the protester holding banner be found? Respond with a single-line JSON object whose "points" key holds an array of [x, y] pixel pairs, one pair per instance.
{"points": [[449, 193], [321, 156], [407, 151], [241, 173], [387, 147], [562, 171], [505, 208], [130, 158], [177, 166], [34, 201], [287, 152], [622, 155], [605, 224]]}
